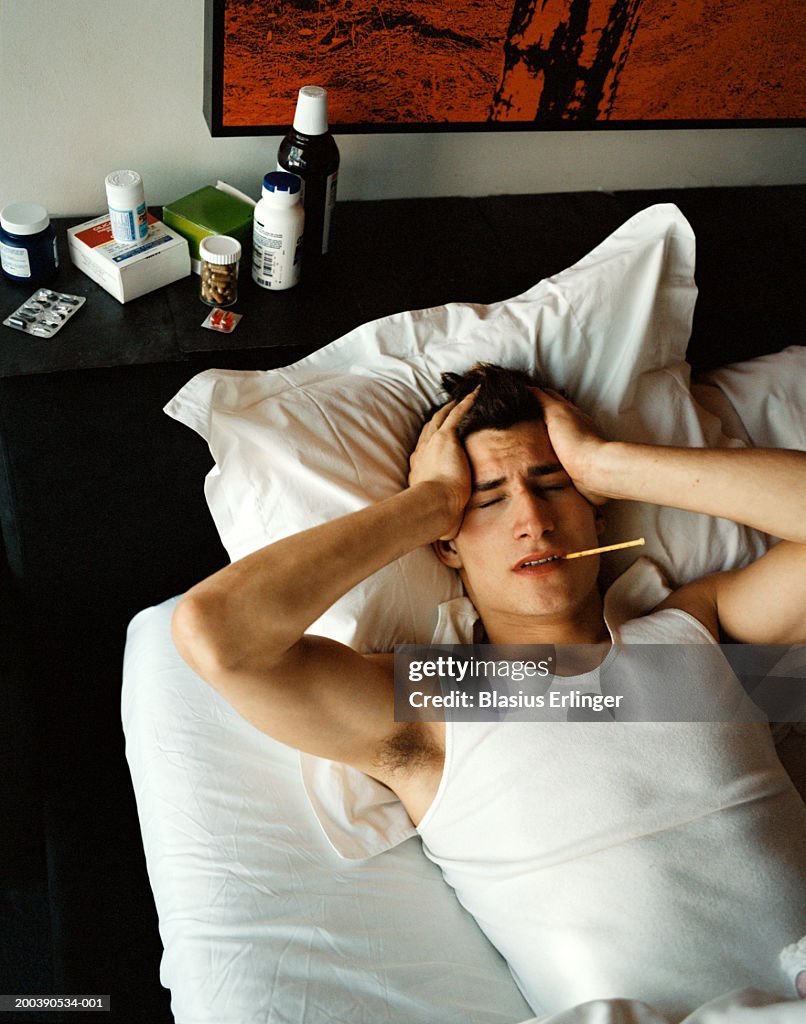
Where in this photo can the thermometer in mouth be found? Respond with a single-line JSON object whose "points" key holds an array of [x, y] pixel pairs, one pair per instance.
{"points": [[607, 547]]}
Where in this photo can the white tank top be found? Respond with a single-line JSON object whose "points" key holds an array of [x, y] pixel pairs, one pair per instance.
{"points": [[657, 861]]}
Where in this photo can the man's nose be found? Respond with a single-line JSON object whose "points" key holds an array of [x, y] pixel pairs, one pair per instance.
{"points": [[532, 514]]}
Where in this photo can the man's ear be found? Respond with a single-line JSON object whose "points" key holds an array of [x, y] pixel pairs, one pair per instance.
{"points": [[447, 554]]}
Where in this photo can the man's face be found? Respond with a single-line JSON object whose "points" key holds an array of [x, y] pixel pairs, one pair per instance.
{"points": [[524, 508]]}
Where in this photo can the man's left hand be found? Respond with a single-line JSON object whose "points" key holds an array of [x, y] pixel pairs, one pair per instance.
{"points": [[575, 440]]}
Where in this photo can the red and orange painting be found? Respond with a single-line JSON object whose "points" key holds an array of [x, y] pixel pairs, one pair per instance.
{"points": [[476, 64]]}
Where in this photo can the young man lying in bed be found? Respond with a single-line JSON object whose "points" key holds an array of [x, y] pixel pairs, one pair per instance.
{"points": [[601, 862]]}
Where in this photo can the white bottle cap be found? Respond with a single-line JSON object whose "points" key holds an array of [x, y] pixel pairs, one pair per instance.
{"points": [[310, 117], [24, 218], [220, 249], [124, 189]]}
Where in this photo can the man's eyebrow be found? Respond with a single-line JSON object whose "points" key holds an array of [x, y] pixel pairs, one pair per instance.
{"points": [[545, 470]]}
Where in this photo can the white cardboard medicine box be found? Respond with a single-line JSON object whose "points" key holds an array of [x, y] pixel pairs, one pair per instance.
{"points": [[128, 269]]}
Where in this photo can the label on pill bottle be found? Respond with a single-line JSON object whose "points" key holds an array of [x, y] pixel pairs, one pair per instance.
{"points": [[129, 225], [276, 258], [14, 260]]}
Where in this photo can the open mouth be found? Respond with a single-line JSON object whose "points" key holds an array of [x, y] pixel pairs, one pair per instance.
{"points": [[533, 563]]}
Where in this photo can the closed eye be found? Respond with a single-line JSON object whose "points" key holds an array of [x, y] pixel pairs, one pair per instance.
{"points": [[535, 490]]}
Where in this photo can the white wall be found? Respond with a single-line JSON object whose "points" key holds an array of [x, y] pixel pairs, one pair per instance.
{"points": [[80, 96]]}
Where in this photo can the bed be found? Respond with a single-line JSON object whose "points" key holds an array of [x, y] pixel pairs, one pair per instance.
{"points": [[290, 889]]}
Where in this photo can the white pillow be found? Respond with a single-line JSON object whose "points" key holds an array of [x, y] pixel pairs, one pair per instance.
{"points": [[301, 445], [768, 394]]}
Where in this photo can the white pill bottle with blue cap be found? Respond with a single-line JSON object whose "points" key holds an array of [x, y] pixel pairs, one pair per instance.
{"points": [[278, 225]]}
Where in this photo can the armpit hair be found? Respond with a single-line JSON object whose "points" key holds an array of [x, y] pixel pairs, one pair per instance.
{"points": [[409, 749]]}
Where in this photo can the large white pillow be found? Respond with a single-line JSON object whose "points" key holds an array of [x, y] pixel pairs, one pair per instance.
{"points": [[768, 394], [301, 445]]}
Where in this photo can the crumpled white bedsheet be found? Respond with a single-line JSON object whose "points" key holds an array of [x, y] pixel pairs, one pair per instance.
{"points": [[263, 923]]}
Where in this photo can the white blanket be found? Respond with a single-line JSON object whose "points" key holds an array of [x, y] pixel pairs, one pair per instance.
{"points": [[261, 920]]}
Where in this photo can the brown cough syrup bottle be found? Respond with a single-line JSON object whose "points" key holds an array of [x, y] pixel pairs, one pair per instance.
{"points": [[310, 151]]}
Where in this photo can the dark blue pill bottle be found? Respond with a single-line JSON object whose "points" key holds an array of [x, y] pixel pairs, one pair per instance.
{"points": [[27, 243]]}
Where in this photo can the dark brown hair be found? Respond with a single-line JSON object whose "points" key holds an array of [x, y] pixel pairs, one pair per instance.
{"points": [[504, 399]]}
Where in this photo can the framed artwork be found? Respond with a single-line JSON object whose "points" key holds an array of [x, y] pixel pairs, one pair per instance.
{"points": [[479, 65]]}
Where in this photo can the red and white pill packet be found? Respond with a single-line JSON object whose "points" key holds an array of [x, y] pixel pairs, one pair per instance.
{"points": [[222, 320]]}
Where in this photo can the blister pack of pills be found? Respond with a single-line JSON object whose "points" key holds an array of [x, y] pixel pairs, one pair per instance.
{"points": [[45, 313], [222, 320]]}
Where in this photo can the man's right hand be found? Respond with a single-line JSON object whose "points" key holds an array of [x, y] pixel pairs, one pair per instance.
{"points": [[439, 456]]}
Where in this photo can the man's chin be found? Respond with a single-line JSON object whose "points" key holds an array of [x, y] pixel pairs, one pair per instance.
{"points": [[551, 607]]}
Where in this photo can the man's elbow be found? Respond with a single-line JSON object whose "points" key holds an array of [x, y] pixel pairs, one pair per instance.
{"points": [[201, 634]]}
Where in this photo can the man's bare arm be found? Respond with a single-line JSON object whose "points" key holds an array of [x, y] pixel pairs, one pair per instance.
{"points": [[242, 629], [765, 602], [761, 488]]}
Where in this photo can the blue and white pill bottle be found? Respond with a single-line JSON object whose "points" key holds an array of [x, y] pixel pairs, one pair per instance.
{"points": [[27, 243], [277, 234], [127, 206]]}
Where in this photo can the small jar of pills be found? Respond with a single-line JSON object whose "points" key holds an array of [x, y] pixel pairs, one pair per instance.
{"points": [[27, 243], [219, 256]]}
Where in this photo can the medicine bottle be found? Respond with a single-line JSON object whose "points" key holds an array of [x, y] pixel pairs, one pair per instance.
{"points": [[127, 206], [310, 151], [278, 232], [27, 243], [219, 256]]}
